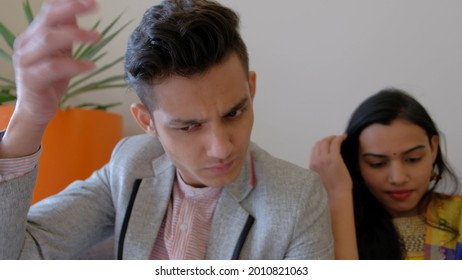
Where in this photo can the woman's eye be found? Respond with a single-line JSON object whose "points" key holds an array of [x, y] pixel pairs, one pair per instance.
{"points": [[376, 164], [413, 159]]}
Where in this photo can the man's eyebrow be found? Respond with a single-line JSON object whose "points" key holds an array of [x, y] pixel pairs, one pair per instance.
{"points": [[186, 122], [418, 147], [241, 104]]}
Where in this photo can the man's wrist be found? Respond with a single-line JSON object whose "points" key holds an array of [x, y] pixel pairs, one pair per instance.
{"points": [[11, 168], [21, 138]]}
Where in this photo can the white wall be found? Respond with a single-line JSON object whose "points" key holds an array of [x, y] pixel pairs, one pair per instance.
{"points": [[317, 59]]}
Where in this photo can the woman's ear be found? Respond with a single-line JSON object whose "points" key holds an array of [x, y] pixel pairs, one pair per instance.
{"points": [[143, 118], [435, 142]]}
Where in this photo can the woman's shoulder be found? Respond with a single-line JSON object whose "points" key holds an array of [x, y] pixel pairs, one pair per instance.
{"points": [[447, 206], [446, 200]]}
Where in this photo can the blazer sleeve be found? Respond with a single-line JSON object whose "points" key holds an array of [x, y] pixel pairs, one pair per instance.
{"points": [[58, 227], [312, 235]]}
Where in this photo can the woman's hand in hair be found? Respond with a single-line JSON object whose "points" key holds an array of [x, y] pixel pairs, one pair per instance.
{"points": [[327, 161]]}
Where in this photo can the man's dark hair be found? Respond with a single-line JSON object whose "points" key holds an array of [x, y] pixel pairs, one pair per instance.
{"points": [[180, 37]]}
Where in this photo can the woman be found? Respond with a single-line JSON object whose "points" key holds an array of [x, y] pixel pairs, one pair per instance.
{"points": [[384, 179]]}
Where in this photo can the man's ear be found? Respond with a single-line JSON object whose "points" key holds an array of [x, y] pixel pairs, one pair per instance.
{"points": [[143, 118], [252, 83]]}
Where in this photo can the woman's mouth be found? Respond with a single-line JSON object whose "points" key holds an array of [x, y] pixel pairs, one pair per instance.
{"points": [[400, 195]]}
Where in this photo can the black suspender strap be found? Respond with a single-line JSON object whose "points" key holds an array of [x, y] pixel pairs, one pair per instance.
{"points": [[128, 213], [242, 237]]}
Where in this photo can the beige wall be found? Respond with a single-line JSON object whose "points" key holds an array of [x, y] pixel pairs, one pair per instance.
{"points": [[317, 59]]}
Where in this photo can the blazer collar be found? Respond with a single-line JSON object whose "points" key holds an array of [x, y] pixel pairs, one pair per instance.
{"points": [[149, 210], [230, 217], [151, 205]]}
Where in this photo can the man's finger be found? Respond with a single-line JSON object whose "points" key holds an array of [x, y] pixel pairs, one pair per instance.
{"points": [[51, 43], [62, 12]]}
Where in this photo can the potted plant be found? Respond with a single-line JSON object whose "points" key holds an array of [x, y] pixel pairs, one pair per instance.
{"points": [[81, 137]]}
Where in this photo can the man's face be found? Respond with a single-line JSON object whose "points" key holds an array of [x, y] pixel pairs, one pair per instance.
{"points": [[204, 122]]}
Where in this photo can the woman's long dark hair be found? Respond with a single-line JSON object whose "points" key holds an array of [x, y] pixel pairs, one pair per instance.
{"points": [[376, 236]]}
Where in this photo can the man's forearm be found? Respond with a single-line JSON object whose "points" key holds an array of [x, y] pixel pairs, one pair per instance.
{"points": [[22, 138]]}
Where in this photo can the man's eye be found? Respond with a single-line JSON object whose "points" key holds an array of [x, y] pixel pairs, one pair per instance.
{"points": [[235, 113], [189, 127]]}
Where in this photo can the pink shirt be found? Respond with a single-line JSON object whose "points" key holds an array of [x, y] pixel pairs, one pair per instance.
{"points": [[186, 226], [185, 229], [16, 167]]}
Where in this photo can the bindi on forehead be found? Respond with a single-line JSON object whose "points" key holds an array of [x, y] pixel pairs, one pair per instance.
{"points": [[394, 154], [409, 151]]}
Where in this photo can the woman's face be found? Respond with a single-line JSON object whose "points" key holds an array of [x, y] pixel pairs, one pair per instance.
{"points": [[396, 163]]}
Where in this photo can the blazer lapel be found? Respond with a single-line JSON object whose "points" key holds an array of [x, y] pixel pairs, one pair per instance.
{"points": [[152, 200], [230, 217], [149, 209]]}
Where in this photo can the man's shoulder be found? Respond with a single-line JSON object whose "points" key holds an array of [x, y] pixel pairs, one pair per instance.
{"points": [[279, 172], [139, 145], [279, 177], [137, 151], [285, 192]]}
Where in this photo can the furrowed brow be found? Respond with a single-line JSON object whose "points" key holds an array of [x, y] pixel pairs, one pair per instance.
{"points": [[241, 104], [184, 122]]}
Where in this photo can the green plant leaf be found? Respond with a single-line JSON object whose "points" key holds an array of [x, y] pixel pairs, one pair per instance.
{"points": [[7, 35], [92, 50], [96, 59], [6, 80], [92, 87], [94, 73], [6, 56], [95, 52], [97, 106], [5, 95], [85, 48], [111, 25], [7, 88], [95, 26], [97, 85], [81, 48], [28, 11]]}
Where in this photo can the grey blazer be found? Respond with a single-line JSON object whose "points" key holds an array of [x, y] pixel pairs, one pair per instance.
{"points": [[128, 197]]}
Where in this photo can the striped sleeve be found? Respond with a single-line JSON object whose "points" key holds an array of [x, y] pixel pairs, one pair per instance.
{"points": [[11, 168]]}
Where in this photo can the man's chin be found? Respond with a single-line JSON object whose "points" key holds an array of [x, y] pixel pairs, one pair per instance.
{"points": [[221, 181]]}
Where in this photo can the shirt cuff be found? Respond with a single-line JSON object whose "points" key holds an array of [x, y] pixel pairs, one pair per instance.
{"points": [[11, 168]]}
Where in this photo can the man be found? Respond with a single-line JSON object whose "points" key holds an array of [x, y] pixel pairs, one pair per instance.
{"points": [[192, 187]]}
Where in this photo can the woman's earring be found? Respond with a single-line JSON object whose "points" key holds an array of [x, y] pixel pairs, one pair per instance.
{"points": [[435, 176]]}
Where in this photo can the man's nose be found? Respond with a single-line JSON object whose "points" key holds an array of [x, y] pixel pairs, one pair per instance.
{"points": [[219, 143]]}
